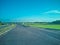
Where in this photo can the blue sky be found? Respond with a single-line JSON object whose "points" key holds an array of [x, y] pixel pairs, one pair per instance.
{"points": [[29, 10]]}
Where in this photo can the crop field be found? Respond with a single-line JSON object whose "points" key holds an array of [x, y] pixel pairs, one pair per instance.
{"points": [[49, 26]]}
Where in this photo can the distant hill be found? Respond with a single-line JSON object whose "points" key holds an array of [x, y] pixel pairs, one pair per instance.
{"points": [[56, 22], [53, 22]]}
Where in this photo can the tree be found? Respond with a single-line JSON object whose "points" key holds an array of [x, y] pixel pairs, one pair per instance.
{"points": [[1, 23]]}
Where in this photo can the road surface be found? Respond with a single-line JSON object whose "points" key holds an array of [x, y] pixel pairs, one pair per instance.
{"points": [[22, 35]]}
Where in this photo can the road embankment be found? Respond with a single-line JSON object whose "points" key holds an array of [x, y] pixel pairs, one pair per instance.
{"points": [[6, 28]]}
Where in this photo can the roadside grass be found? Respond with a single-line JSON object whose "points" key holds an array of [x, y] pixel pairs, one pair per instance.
{"points": [[6, 29], [48, 26]]}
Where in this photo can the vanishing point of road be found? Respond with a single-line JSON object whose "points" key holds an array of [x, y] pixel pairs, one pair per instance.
{"points": [[22, 35]]}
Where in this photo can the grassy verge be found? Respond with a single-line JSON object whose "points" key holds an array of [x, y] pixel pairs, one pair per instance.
{"points": [[49, 26], [6, 29]]}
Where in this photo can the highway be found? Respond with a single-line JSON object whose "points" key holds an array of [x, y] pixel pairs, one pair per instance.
{"points": [[23, 35]]}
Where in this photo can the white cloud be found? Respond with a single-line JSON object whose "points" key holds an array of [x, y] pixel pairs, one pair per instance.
{"points": [[28, 19], [52, 11]]}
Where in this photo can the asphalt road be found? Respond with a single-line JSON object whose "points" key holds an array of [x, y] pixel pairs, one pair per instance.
{"points": [[22, 35]]}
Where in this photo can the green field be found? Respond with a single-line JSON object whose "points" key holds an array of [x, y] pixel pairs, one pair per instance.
{"points": [[49, 26], [6, 29]]}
